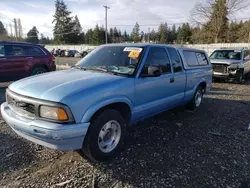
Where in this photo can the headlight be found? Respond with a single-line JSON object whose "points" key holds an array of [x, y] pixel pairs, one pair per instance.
{"points": [[233, 66], [54, 113]]}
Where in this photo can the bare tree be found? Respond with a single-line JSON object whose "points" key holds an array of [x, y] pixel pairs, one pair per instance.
{"points": [[202, 11]]}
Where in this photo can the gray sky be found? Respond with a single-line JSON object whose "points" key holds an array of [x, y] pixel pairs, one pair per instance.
{"points": [[122, 13]]}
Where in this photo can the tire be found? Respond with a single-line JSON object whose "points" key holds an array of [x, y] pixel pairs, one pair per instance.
{"points": [[103, 128], [196, 102], [38, 70], [239, 77], [84, 54]]}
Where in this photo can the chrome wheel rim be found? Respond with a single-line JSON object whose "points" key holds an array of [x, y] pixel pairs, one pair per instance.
{"points": [[109, 136], [40, 72], [198, 98]]}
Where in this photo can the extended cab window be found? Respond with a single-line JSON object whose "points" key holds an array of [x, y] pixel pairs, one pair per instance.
{"points": [[195, 58], [158, 56], [202, 59], [2, 51], [14, 50], [175, 58], [191, 58]]}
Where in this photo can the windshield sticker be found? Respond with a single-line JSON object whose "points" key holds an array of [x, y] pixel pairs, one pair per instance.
{"points": [[237, 51], [129, 49], [134, 54]]}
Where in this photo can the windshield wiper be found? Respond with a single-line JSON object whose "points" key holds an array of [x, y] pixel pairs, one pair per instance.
{"points": [[76, 66], [95, 68]]}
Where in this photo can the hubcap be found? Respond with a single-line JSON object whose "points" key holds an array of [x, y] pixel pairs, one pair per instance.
{"points": [[198, 98], [109, 136], [39, 72]]}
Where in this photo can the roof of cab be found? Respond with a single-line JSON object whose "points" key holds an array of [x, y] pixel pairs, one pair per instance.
{"points": [[18, 42], [176, 46], [137, 44]]}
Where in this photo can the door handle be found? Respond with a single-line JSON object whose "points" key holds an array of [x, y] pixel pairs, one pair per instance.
{"points": [[2, 59], [29, 57], [171, 80]]}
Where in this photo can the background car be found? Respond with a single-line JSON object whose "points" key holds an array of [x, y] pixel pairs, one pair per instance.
{"points": [[21, 59], [81, 54], [70, 53], [62, 53]]}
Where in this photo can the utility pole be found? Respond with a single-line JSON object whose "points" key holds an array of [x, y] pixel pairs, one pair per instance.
{"points": [[106, 23]]}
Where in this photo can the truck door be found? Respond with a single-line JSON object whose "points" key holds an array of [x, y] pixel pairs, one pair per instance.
{"points": [[16, 62], [179, 74], [155, 94]]}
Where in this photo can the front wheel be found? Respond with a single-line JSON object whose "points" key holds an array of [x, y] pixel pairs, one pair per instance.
{"points": [[38, 70], [105, 136], [239, 77], [196, 100]]}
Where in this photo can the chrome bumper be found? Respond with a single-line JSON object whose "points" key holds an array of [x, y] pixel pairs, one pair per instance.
{"points": [[51, 135]]}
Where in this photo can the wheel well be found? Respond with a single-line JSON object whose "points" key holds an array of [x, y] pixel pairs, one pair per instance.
{"points": [[121, 107], [42, 66], [203, 85]]}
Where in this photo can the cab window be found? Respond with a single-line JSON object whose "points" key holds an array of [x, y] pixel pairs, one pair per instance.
{"points": [[175, 58], [158, 56]]}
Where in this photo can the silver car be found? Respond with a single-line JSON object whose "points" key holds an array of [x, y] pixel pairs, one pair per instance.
{"points": [[231, 63]]}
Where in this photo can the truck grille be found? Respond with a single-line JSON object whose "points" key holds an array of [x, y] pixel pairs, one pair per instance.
{"points": [[220, 68], [21, 108]]}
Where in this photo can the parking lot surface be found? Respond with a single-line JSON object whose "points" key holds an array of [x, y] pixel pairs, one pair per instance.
{"points": [[206, 148]]}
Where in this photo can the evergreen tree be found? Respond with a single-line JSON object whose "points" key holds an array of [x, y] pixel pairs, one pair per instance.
{"points": [[172, 34], [233, 33], [3, 32], [217, 26], [96, 35], [89, 37], [153, 35], [184, 33], [102, 35], [111, 35], [82, 38], [244, 32], [74, 37], [116, 35], [32, 35], [63, 23], [135, 35], [163, 33], [125, 35]]}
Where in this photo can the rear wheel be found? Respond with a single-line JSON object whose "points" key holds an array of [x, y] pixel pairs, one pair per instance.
{"points": [[38, 70], [105, 136], [196, 100]]}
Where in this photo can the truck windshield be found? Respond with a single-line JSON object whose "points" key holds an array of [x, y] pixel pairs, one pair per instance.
{"points": [[226, 54], [116, 59]]}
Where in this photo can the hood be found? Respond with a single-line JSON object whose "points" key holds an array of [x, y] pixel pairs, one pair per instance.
{"points": [[225, 61], [54, 86]]}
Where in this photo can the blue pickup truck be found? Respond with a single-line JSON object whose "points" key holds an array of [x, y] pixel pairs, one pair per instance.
{"points": [[89, 106]]}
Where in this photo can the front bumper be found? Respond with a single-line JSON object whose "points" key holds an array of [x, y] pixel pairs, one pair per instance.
{"points": [[57, 136], [224, 75]]}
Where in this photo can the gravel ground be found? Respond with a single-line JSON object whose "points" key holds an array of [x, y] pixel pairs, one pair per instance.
{"points": [[207, 148]]}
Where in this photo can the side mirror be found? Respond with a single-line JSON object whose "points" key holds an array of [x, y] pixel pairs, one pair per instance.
{"points": [[151, 71]]}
